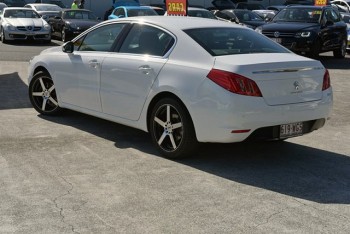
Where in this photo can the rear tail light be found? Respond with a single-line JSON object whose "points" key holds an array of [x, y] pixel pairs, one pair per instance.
{"points": [[235, 83], [326, 81]]}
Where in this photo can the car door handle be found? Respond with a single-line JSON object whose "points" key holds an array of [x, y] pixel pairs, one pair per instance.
{"points": [[94, 64], [145, 69]]}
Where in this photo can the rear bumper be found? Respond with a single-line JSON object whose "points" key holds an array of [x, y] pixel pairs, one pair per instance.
{"points": [[214, 121]]}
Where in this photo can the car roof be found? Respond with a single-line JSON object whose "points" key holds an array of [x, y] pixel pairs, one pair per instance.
{"points": [[196, 9], [69, 9], [18, 8], [40, 4], [177, 22], [307, 6], [135, 7]]}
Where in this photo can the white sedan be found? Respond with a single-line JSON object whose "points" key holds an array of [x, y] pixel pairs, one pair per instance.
{"points": [[19, 23], [184, 80]]}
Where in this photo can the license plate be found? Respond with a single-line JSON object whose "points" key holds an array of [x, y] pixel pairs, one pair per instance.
{"points": [[293, 129], [278, 40]]}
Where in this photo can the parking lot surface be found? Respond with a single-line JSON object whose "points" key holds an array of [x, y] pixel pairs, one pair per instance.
{"points": [[79, 174]]}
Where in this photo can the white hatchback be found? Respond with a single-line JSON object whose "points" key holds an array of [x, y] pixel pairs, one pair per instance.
{"points": [[185, 80]]}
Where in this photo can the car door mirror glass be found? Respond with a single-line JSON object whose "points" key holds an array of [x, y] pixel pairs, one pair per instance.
{"points": [[68, 47]]}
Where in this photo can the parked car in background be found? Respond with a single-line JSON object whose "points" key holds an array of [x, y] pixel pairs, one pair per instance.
{"points": [[199, 12], [56, 2], [343, 6], [46, 11], [308, 29], [184, 80], [71, 22], [346, 19], [2, 6], [14, 3], [131, 11], [159, 10], [244, 17], [19, 23]]}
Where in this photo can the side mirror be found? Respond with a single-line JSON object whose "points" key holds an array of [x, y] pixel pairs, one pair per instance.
{"points": [[68, 47], [121, 16]]}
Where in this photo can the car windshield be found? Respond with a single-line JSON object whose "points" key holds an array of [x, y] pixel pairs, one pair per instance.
{"points": [[85, 15], [309, 15], [201, 14], [20, 14], [48, 8], [247, 16], [228, 41], [140, 12]]}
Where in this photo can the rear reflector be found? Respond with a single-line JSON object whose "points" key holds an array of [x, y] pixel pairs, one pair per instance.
{"points": [[235, 83], [241, 131]]}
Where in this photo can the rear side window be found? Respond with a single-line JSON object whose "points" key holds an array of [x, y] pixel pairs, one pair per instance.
{"points": [[227, 41]]}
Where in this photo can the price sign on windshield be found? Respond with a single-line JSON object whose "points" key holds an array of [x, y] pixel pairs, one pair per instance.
{"points": [[320, 2], [176, 7]]}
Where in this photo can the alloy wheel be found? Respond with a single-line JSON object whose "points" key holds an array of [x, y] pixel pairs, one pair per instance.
{"points": [[43, 95], [168, 127]]}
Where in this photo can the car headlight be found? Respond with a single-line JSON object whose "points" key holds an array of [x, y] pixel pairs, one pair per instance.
{"points": [[303, 34], [259, 30], [47, 27], [10, 27]]}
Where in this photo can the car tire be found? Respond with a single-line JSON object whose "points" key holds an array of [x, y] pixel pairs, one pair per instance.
{"points": [[42, 94], [63, 35], [171, 129], [340, 52], [3, 39], [315, 50]]}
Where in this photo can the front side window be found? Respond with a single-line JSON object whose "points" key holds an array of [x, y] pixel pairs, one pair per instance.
{"points": [[101, 39], [144, 39], [228, 41]]}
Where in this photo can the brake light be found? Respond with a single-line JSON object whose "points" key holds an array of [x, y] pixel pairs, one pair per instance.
{"points": [[326, 81], [235, 83]]}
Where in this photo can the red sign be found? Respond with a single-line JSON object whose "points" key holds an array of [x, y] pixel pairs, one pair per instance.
{"points": [[320, 2], [176, 7]]}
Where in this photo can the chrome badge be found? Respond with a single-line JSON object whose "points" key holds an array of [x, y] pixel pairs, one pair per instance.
{"points": [[296, 85], [276, 34]]}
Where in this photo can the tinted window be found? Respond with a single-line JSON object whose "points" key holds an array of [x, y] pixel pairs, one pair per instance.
{"points": [[226, 41], [201, 14], [100, 39], [20, 14], [140, 12], [299, 15], [79, 15], [144, 39]]}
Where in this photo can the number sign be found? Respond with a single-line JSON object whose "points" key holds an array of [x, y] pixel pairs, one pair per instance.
{"points": [[176, 7]]}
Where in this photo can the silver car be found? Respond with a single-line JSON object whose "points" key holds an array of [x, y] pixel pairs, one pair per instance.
{"points": [[46, 11], [19, 23]]}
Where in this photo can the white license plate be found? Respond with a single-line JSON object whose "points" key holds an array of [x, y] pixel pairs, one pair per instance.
{"points": [[278, 40], [293, 129]]}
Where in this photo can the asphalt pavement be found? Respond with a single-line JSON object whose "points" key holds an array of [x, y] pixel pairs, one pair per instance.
{"points": [[79, 174]]}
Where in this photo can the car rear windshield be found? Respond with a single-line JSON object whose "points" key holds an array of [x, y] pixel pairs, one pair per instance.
{"points": [[227, 41]]}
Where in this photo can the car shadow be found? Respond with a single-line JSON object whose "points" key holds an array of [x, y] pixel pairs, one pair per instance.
{"points": [[13, 92], [334, 63], [283, 167], [34, 43]]}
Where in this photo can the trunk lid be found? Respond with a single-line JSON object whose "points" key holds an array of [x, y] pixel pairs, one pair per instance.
{"points": [[283, 78]]}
